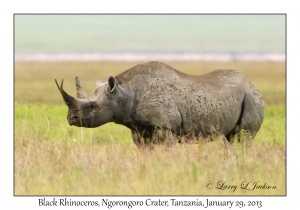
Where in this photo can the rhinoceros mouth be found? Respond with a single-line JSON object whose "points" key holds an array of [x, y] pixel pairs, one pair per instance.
{"points": [[75, 120], [80, 122]]}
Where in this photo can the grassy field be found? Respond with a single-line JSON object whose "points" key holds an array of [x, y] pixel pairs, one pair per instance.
{"points": [[53, 158]]}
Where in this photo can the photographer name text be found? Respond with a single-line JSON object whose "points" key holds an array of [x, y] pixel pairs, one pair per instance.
{"points": [[245, 185]]}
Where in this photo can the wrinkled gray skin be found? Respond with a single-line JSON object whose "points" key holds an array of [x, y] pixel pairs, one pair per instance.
{"points": [[162, 105]]}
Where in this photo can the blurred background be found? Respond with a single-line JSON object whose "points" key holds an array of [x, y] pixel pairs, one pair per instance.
{"points": [[150, 37], [99, 46]]}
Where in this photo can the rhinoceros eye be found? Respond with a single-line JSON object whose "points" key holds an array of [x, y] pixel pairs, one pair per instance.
{"points": [[93, 105]]}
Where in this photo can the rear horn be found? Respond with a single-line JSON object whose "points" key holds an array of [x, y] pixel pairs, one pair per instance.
{"points": [[80, 91]]}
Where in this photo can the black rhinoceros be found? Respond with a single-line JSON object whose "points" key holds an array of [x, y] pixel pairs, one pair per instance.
{"points": [[161, 104]]}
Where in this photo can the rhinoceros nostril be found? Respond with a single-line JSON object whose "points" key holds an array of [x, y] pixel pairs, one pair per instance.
{"points": [[75, 117], [72, 117], [73, 120]]}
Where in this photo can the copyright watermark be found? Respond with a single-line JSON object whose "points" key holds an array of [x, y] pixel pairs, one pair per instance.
{"points": [[209, 185], [244, 185]]}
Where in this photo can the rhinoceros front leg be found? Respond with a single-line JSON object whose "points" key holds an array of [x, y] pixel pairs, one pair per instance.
{"points": [[150, 137], [137, 139], [163, 136], [141, 137]]}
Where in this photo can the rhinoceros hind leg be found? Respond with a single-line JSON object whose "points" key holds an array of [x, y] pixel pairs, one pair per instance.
{"points": [[250, 120], [234, 133], [252, 116]]}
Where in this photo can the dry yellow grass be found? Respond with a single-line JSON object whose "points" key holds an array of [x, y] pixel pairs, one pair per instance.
{"points": [[34, 81], [95, 166]]}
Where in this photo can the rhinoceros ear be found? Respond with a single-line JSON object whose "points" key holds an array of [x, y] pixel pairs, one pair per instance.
{"points": [[80, 91], [112, 82]]}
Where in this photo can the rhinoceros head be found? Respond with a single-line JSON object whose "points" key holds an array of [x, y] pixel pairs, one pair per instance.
{"points": [[94, 110]]}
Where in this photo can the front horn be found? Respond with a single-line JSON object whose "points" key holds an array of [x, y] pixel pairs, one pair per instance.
{"points": [[67, 98]]}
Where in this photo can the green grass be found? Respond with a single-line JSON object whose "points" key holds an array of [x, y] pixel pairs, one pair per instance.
{"points": [[274, 126], [53, 158]]}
